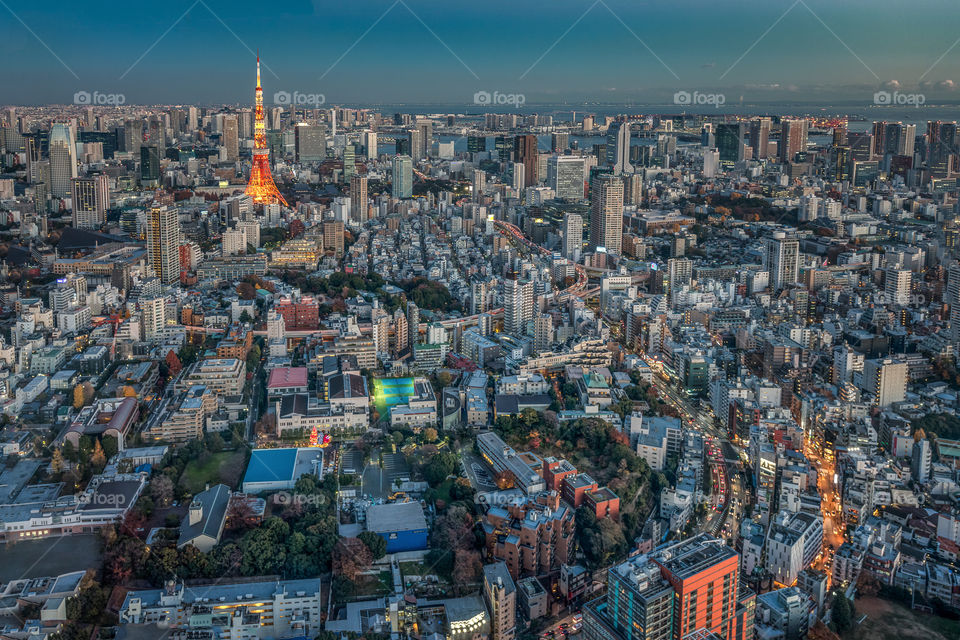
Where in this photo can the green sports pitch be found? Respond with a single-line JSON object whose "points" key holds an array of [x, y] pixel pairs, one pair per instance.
{"points": [[389, 392]]}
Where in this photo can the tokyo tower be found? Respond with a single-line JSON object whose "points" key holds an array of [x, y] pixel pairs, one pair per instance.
{"points": [[261, 185]]}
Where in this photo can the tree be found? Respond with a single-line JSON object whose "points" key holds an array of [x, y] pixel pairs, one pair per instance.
{"points": [[78, 397], [173, 363], [56, 461], [88, 393], [439, 467], [128, 391], [841, 614], [253, 357], [454, 529], [98, 459], [161, 489], [376, 544], [466, 566], [430, 434], [350, 557]]}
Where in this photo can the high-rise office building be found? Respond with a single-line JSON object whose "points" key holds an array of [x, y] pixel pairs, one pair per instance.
{"points": [[941, 147], [133, 136], [149, 165], [349, 161], [63, 160], [163, 243], [782, 260], [760, 137], [91, 199], [503, 145], [525, 151], [559, 142], [358, 199], [414, 144], [606, 213], [476, 144], [425, 140], [565, 177], [572, 236], [369, 140], [729, 140], [618, 147], [402, 177], [310, 143], [230, 138], [793, 138]]}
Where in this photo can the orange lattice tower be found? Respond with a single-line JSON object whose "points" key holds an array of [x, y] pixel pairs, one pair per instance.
{"points": [[261, 185]]}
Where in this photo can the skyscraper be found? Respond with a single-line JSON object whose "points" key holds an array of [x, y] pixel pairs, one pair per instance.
{"points": [[782, 260], [618, 147], [525, 151], [793, 138], [565, 177], [91, 199], [572, 236], [517, 306], [425, 127], [369, 139], [63, 160], [310, 142], [606, 213], [941, 146], [230, 139], [149, 165], [730, 142], [358, 199], [760, 137], [133, 136], [413, 323], [402, 177], [163, 243]]}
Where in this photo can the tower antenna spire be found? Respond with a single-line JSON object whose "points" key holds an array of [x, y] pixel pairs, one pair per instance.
{"points": [[261, 186]]}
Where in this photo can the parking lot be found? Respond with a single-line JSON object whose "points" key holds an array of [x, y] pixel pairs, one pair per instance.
{"points": [[476, 471], [378, 483], [351, 460]]}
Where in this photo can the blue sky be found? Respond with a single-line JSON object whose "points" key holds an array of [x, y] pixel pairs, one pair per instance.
{"points": [[430, 51]]}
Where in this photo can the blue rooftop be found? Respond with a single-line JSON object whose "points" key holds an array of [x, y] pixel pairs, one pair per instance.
{"points": [[270, 465]]}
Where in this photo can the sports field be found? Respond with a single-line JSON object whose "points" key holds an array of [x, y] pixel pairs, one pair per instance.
{"points": [[389, 392]]}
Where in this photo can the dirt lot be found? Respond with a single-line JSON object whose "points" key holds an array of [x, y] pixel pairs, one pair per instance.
{"points": [[888, 620]]}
